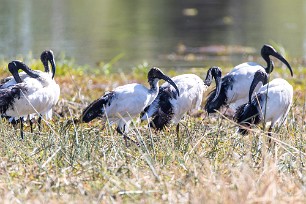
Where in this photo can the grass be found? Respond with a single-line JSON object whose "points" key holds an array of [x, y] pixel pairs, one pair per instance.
{"points": [[209, 163]]}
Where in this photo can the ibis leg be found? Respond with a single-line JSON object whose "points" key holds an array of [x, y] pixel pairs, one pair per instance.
{"points": [[178, 129], [125, 137], [39, 123], [21, 127], [31, 125], [178, 133], [270, 135], [271, 143]]}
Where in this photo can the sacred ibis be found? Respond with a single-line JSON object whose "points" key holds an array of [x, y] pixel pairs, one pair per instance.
{"points": [[36, 93], [126, 102], [168, 107], [46, 57], [235, 85], [270, 104]]}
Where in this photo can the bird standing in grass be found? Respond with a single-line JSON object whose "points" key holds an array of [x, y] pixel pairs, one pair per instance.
{"points": [[36, 93], [168, 107], [271, 103], [235, 85], [126, 102], [46, 57]]}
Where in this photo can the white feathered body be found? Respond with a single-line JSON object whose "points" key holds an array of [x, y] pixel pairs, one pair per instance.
{"points": [[191, 89], [38, 95], [242, 76], [278, 101], [128, 102]]}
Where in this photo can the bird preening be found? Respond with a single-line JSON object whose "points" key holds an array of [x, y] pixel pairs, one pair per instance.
{"points": [[29, 93]]}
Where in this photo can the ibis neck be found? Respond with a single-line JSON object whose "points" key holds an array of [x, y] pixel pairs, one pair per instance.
{"points": [[154, 86], [269, 67], [46, 65], [47, 69], [269, 62], [14, 66]]}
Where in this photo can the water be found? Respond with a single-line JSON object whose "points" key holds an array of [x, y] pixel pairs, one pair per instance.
{"points": [[165, 33]]}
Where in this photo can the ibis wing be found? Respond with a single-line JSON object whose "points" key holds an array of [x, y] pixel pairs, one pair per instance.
{"points": [[97, 108], [7, 98]]}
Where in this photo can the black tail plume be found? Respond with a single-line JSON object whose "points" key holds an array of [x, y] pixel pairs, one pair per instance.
{"points": [[248, 114], [96, 108], [161, 120], [144, 111], [7, 98], [214, 103], [165, 112]]}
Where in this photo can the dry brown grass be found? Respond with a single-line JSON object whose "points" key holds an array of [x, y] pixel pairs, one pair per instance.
{"points": [[68, 162]]}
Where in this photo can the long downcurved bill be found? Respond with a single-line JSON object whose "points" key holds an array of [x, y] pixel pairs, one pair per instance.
{"points": [[169, 80], [281, 58], [53, 67], [218, 87]]}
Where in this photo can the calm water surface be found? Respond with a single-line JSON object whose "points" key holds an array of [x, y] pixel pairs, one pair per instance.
{"points": [[165, 33]]}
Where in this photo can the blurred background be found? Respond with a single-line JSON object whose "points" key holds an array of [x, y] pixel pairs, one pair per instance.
{"points": [[164, 33]]}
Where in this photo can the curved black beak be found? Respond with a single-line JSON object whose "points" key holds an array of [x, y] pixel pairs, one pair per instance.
{"points": [[216, 73], [259, 76], [169, 80], [52, 62], [282, 59], [218, 87]]}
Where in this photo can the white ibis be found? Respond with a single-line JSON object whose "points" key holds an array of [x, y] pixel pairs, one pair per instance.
{"points": [[46, 57], [270, 104], [235, 85], [36, 93], [168, 107], [123, 103]]}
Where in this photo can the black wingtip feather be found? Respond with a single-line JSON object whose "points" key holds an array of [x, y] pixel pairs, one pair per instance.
{"points": [[161, 120], [246, 115], [144, 111], [242, 118], [211, 106], [7, 98], [164, 114], [96, 108]]}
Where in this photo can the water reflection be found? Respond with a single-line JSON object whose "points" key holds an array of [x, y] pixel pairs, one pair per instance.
{"points": [[98, 30]]}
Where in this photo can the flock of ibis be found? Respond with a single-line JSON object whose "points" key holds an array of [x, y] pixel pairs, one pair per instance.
{"points": [[246, 88]]}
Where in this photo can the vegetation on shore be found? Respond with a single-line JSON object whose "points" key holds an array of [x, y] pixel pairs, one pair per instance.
{"points": [[207, 163]]}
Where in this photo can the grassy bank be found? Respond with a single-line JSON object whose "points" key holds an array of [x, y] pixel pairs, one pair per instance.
{"points": [[208, 163]]}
